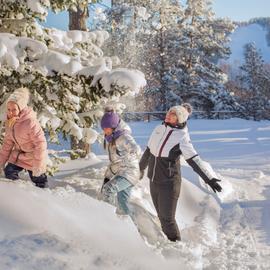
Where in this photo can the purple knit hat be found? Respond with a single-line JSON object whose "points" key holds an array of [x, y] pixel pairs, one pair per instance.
{"points": [[110, 120]]}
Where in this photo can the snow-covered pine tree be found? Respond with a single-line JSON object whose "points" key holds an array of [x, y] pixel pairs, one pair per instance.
{"points": [[147, 29], [124, 21], [255, 84], [203, 40], [162, 48], [177, 48], [78, 21], [67, 73]]}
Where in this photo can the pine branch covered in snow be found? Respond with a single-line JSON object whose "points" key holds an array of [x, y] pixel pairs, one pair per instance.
{"points": [[69, 77], [28, 9], [56, 82]]}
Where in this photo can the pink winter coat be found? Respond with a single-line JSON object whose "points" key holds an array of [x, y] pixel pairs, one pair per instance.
{"points": [[24, 143]]}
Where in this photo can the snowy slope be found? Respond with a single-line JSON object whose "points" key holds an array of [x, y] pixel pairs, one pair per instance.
{"points": [[246, 34], [68, 227], [64, 229]]}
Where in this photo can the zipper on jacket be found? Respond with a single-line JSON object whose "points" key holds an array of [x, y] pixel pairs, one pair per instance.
{"points": [[110, 158], [20, 150], [162, 146], [13, 132], [154, 170], [170, 171], [161, 139], [164, 142]]}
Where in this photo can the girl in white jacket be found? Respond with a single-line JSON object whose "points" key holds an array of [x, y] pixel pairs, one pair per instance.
{"points": [[162, 157]]}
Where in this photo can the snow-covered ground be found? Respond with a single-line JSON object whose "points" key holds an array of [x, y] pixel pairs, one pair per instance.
{"points": [[68, 227]]}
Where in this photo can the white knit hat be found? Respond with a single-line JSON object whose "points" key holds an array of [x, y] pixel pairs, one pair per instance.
{"points": [[182, 112], [20, 96]]}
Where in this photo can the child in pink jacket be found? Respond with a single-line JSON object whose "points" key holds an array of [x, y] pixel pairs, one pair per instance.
{"points": [[24, 145]]}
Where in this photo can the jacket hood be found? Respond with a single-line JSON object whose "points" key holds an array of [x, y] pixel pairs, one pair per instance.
{"points": [[123, 126], [27, 113]]}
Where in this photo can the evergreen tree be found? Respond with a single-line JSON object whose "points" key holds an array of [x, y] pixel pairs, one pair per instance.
{"points": [[78, 21], [177, 47], [67, 73], [168, 15], [196, 77], [145, 32], [255, 84]]}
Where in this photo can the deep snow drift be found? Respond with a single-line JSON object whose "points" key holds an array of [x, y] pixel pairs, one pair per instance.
{"points": [[68, 227]]}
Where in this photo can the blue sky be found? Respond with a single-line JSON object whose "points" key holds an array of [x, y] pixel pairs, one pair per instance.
{"points": [[236, 10], [241, 10]]}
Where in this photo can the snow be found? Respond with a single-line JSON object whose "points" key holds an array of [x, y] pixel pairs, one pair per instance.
{"points": [[90, 135], [35, 47], [247, 34], [64, 56], [69, 227], [142, 12], [133, 79], [3, 49], [73, 129], [58, 220], [36, 6]]}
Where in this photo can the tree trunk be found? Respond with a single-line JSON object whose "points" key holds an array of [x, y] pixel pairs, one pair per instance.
{"points": [[84, 148], [78, 21]]}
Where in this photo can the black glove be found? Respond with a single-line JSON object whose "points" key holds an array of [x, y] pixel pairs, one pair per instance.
{"points": [[213, 183], [106, 180], [141, 174]]}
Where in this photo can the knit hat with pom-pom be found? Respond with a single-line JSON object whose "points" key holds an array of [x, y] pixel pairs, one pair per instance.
{"points": [[20, 96], [110, 120], [182, 112]]}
